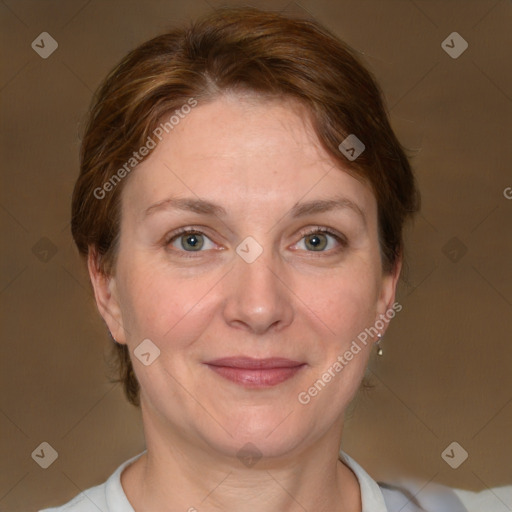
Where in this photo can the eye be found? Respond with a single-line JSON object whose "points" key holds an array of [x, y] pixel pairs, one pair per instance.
{"points": [[190, 240], [320, 240]]}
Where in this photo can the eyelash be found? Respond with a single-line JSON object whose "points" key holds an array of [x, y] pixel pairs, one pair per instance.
{"points": [[323, 230], [317, 229]]}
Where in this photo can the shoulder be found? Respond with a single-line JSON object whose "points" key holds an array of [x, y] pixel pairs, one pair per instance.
{"points": [[411, 496], [414, 496], [492, 499], [107, 497], [91, 499], [403, 496]]}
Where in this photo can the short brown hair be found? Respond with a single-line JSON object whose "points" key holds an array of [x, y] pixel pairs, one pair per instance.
{"points": [[247, 50]]}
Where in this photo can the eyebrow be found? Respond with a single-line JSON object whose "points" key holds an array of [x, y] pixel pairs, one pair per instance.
{"points": [[189, 205], [201, 206], [325, 205]]}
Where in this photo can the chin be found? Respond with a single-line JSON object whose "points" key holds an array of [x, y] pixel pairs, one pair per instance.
{"points": [[266, 433]]}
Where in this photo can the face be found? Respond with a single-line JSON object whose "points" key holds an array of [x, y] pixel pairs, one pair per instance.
{"points": [[241, 239]]}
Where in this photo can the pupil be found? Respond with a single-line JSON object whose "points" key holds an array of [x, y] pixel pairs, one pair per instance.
{"points": [[316, 242], [192, 241]]}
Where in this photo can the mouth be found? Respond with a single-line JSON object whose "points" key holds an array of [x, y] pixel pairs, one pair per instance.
{"points": [[256, 373]]}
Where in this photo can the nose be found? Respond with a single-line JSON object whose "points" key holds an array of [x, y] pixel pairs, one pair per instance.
{"points": [[258, 299]]}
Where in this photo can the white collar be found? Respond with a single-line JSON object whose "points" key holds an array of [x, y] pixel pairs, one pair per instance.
{"points": [[372, 499], [371, 496]]}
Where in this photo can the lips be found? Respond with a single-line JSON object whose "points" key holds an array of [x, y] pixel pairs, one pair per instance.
{"points": [[250, 363], [256, 373]]}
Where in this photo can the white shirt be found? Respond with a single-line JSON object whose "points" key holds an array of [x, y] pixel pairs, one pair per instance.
{"points": [[110, 496]]}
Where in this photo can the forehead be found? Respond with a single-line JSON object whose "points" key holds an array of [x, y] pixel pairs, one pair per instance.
{"points": [[242, 151]]}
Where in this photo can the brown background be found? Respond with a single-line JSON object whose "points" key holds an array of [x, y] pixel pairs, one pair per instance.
{"points": [[446, 372]]}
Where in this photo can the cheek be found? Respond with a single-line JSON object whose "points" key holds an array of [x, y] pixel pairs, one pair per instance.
{"points": [[157, 304], [344, 301]]}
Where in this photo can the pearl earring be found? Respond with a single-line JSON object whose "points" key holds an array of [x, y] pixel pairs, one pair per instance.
{"points": [[379, 348]]}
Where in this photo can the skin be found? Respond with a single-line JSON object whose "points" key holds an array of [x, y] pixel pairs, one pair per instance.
{"points": [[257, 159]]}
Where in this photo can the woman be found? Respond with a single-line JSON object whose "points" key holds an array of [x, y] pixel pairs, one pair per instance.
{"points": [[240, 206]]}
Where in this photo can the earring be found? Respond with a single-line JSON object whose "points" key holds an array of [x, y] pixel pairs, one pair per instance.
{"points": [[379, 348], [112, 337]]}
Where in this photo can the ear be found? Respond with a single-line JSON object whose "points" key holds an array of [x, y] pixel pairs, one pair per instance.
{"points": [[388, 291], [105, 293]]}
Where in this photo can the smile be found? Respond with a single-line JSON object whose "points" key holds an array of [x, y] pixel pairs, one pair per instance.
{"points": [[256, 373]]}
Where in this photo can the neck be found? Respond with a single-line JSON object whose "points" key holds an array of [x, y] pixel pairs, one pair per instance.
{"points": [[177, 475]]}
